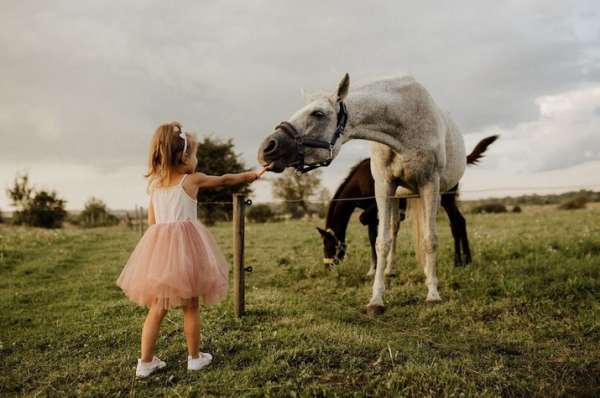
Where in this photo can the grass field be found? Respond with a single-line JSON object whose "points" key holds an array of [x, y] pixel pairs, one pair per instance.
{"points": [[522, 320]]}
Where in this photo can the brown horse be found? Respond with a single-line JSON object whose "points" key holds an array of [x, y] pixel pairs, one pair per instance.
{"points": [[358, 191]]}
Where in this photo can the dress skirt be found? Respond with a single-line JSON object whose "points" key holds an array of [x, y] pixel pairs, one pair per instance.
{"points": [[173, 263]]}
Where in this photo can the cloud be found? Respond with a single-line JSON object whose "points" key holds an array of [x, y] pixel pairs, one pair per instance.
{"points": [[565, 134]]}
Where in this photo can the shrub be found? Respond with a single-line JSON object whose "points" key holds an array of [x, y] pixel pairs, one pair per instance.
{"points": [[490, 208], [260, 213], [36, 209], [1, 218], [45, 210], [517, 209], [95, 214], [576, 202]]}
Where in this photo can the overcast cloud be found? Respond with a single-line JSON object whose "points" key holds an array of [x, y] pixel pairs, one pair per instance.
{"points": [[84, 84]]}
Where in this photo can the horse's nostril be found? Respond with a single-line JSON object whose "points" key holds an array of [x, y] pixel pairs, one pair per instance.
{"points": [[270, 148]]}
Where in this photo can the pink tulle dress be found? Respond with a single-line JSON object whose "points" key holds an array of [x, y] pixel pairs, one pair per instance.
{"points": [[177, 259]]}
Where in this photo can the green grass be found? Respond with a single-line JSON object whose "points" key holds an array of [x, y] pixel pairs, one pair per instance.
{"points": [[522, 320]]}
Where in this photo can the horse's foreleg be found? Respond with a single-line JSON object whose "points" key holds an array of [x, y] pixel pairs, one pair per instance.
{"points": [[390, 269], [383, 191], [430, 199], [369, 218]]}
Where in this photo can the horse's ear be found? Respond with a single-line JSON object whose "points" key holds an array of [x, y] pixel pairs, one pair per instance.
{"points": [[342, 90], [323, 233], [305, 95]]}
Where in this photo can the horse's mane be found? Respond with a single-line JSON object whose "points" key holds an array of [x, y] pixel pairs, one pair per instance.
{"points": [[340, 189]]}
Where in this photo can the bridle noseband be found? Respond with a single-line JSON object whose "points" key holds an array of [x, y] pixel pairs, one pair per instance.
{"points": [[301, 142]]}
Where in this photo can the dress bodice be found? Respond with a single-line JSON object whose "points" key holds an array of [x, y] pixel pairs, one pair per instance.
{"points": [[173, 204]]}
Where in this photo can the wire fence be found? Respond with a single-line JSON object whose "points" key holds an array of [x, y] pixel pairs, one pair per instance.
{"points": [[530, 189]]}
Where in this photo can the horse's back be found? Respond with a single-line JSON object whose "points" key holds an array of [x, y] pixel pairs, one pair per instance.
{"points": [[428, 137]]}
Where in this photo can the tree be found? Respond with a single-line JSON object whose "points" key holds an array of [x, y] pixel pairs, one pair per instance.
{"points": [[96, 214], [36, 209], [297, 191], [217, 157]]}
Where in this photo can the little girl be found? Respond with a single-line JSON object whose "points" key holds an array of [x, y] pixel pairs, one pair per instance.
{"points": [[177, 260]]}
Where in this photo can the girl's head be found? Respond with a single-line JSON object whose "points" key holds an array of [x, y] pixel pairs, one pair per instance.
{"points": [[171, 150]]}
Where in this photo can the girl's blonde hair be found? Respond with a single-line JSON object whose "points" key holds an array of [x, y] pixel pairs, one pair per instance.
{"points": [[166, 151]]}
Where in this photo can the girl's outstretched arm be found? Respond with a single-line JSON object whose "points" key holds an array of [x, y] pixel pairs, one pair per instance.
{"points": [[205, 181]]}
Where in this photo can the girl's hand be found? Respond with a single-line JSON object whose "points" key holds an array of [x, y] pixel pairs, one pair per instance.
{"points": [[250, 177]]}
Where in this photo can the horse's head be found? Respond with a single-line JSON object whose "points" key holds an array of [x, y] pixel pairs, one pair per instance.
{"points": [[334, 249], [305, 137]]}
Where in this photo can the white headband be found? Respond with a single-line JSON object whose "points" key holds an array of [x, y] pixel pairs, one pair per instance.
{"points": [[183, 136]]}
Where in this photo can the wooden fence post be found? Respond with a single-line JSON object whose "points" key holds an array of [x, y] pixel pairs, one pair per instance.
{"points": [[239, 300]]}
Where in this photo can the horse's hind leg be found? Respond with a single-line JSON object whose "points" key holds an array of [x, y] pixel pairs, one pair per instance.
{"points": [[464, 239], [449, 204], [390, 269], [373, 240], [430, 199]]}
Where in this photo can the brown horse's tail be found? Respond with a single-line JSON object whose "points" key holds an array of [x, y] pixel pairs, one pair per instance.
{"points": [[480, 148]]}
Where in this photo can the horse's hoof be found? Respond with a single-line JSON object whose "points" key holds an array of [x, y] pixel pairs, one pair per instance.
{"points": [[433, 301], [375, 310], [371, 273]]}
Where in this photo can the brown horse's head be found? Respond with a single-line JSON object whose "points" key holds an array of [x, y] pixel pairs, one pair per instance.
{"points": [[334, 250], [316, 121]]}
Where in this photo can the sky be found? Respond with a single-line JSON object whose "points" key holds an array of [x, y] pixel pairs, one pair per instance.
{"points": [[83, 85]]}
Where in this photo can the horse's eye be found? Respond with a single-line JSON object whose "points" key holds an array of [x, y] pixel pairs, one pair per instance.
{"points": [[317, 114]]}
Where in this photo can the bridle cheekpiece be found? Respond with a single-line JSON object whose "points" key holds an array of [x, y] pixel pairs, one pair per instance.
{"points": [[301, 142]]}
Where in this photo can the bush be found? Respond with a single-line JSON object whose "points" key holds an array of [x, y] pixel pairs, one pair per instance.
{"points": [[576, 202], [489, 208], [259, 213], [95, 214], [41, 209], [45, 210], [517, 209], [297, 213], [1, 218]]}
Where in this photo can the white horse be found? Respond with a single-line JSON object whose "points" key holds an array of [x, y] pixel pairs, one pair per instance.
{"points": [[416, 149]]}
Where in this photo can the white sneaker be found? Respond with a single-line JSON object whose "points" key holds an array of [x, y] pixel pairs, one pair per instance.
{"points": [[200, 362], [145, 369]]}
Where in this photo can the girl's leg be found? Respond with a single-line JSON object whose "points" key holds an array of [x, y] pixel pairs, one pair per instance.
{"points": [[150, 332], [191, 327]]}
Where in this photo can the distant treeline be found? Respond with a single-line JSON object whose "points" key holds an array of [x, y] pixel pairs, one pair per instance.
{"points": [[534, 199]]}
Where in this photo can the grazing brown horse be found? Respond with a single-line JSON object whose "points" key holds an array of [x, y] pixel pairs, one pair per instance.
{"points": [[358, 191]]}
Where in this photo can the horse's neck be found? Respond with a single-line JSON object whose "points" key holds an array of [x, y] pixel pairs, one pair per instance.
{"points": [[340, 213], [388, 111], [367, 121]]}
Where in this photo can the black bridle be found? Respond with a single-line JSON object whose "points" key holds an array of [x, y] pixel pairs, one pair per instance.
{"points": [[339, 248], [301, 142]]}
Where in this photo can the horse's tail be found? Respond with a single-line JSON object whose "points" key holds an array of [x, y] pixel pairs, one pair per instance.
{"points": [[480, 148], [414, 210]]}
